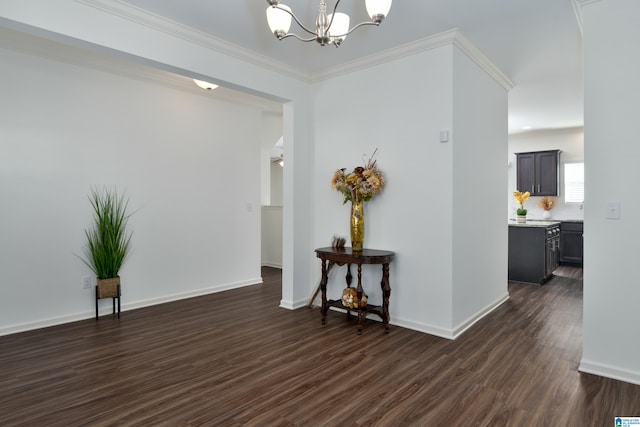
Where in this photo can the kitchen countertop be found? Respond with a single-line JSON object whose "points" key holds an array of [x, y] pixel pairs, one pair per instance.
{"points": [[542, 222], [532, 223]]}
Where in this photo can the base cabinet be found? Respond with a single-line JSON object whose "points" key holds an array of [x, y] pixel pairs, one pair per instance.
{"points": [[534, 252], [571, 243]]}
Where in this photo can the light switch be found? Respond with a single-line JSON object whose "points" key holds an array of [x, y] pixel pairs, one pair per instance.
{"points": [[444, 136], [613, 209]]}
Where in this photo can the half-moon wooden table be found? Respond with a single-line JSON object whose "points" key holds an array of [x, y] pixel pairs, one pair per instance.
{"points": [[341, 256]]}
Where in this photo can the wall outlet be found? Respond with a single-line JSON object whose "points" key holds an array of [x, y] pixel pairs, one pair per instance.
{"points": [[88, 282]]}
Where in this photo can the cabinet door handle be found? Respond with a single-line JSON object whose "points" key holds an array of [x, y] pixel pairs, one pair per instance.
{"points": [[538, 188], [532, 190]]}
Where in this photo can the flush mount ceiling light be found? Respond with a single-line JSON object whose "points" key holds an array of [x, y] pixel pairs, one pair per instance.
{"points": [[205, 85], [330, 29]]}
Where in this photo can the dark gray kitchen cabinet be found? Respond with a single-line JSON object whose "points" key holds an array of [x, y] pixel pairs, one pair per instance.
{"points": [[534, 252], [571, 243], [538, 172]]}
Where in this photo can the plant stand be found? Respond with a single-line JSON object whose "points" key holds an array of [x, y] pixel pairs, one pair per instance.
{"points": [[114, 294]]}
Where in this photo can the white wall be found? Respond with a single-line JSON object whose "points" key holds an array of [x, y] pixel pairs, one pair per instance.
{"points": [[271, 131], [271, 192], [571, 142], [479, 233], [272, 236], [119, 32], [414, 216], [275, 182], [612, 89], [189, 163], [402, 122]]}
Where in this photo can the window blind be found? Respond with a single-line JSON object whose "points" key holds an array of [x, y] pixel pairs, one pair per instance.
{"points": [[574, 182]]}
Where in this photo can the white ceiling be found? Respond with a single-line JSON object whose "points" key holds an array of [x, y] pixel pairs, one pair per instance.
{"points": [[535, 43]]}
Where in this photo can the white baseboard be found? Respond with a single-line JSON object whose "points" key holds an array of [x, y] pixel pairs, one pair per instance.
{"points": [[407, 324], [192, 294], [45, 323], [106, 307], [293, 305], [447, 333], [272, 264], [591, 367], [462, 327], [422, 327]]}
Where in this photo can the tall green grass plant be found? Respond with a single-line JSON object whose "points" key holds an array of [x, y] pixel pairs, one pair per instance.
{"points": [[108, 239]]}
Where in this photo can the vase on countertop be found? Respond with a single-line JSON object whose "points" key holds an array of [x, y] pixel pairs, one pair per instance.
{"points": [[546, 215], [521, 219]]}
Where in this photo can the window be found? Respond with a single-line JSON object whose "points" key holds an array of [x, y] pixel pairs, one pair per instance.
{"points": [[574, 182]]}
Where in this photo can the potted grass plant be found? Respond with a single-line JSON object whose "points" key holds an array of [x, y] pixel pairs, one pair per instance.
{"points": [[108, 240]]}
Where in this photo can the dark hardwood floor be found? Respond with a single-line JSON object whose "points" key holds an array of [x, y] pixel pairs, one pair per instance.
{"points": [[235, 358]]}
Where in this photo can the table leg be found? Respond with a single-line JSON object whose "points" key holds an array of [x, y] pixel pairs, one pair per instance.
{"points": [[323, 290], [359, 292], [348, 278], [386, 294]]}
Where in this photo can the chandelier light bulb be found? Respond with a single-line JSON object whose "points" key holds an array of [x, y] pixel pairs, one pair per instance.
{"points": [[378, 9], [278, 19], [339, 27]]}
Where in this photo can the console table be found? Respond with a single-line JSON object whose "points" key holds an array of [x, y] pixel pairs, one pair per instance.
{"points": [[341, 256]]}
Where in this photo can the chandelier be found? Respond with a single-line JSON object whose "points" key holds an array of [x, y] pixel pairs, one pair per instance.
{"points": [[330, 29]]}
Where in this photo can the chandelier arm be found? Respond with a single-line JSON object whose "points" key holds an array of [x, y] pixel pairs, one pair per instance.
{"points": [[333, 14], [298, 37], [335, 7], [362, 24], [295, 18]]}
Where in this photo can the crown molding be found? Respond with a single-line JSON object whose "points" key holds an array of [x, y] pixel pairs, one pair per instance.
{"points": [[577, 9], [158, 23], [585, 2], [473, 53], [145, 18], [452, 37]]}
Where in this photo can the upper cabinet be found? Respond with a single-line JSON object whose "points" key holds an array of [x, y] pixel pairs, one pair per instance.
{"points": [[538, 172]]}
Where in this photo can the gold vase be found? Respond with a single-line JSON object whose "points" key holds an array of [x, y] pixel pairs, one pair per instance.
{"points": [[357, 225]]}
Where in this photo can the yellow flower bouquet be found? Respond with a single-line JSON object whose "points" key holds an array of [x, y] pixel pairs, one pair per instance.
{"points": [[521, 198]]}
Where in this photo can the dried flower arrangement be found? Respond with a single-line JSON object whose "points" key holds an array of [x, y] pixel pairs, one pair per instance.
{"points": [[361, 184], [547, 203]]}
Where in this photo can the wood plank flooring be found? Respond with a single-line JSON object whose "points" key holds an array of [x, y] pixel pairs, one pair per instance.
{"points": [[235, 358]]}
